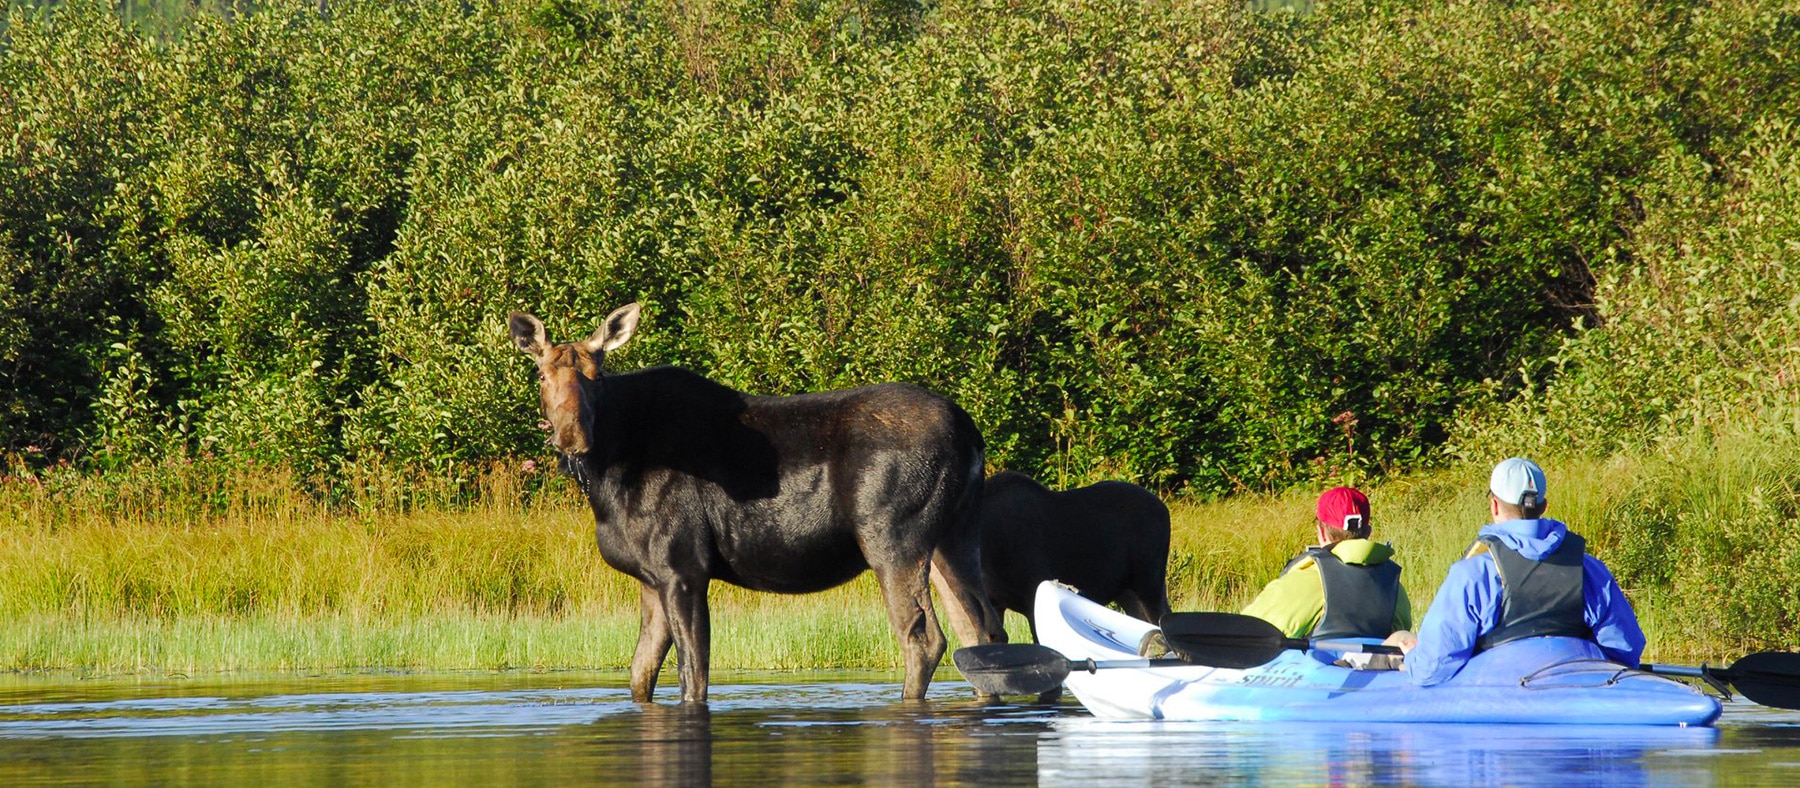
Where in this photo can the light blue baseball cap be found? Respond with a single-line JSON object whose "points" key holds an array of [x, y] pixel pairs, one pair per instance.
{"points": [[1514, 477]]}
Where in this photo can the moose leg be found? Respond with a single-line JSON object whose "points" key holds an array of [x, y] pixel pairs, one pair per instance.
{"points": [[958, 615], [691, 623], [654, 639], [907, 591], [957, 571], [1152, 592]]}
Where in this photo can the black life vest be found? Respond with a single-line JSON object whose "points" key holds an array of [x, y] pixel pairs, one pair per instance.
{"points": [[1540, 598], [1359, 600]]}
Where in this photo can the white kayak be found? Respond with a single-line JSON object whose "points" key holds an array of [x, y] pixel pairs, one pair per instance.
{"points": [[1536, 680]]}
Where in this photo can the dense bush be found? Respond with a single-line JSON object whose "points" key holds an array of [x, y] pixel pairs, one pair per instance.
{"points": [[1699, 332], [1190, 244]]}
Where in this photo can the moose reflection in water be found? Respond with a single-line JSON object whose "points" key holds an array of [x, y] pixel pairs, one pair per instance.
{"points": [[691, 481]]}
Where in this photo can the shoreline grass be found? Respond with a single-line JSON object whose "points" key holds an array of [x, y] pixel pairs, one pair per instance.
{"points": [[129, 575], [842, 629]]}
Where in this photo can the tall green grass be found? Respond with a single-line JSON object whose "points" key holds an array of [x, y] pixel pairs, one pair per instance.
{"points": [[193, 568], [184, 568]]}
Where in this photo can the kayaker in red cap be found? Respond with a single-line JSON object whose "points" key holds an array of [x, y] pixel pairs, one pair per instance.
{"points": [[1525, 576], [1346, 586]]}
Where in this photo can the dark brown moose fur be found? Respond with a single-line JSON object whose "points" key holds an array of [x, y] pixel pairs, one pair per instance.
{"points": [[691, 482], [1108, 540]]}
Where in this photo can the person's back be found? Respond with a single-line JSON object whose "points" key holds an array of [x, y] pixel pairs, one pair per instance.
{"points": [[1347, 586], [1525, 576]]}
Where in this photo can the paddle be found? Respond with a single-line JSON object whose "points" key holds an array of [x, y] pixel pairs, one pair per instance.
{"points": [[1232, 640], [1769, 678], [1031, 669]]}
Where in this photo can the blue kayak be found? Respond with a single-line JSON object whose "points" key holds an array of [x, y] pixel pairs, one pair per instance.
{"points": [[1536, 680]]}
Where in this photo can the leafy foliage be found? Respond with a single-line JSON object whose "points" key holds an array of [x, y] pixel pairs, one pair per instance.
{"points": [[1698, 333], [1198, 246]]}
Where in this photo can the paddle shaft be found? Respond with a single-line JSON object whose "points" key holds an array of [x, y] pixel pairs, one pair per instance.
{"points": [[1030, 669], [1091, 665], [1350, 646], [1234, 640]]}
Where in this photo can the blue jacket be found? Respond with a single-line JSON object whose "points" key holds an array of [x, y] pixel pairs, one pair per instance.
{"points": [[1468, 604]]}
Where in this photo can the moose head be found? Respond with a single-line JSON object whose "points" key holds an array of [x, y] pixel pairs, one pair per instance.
{"points": [[565, 369]]}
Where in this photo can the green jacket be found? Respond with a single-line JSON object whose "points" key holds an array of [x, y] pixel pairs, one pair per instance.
{"points": [[1294, 601]]}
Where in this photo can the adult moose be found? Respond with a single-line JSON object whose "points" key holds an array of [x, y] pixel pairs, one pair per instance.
{"points": [[1109, 540], [691, 481]]}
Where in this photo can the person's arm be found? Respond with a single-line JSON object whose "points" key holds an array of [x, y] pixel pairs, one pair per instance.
{"points": [[1292, 602], [1466, 605], [1610, 615]]}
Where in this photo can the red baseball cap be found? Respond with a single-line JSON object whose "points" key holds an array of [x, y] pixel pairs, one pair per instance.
{"points": [[1344, 507]]}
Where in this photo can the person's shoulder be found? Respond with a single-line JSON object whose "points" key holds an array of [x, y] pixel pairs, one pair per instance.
{"points": [[1301, 562], [1477, 552], [1474, 567], [1299, 570], [1593, 564]]}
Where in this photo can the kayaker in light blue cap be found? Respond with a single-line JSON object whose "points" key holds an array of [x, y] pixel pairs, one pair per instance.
{"points": [[1525, 576]]}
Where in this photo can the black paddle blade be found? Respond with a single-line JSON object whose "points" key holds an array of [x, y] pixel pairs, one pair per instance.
{"points": [[1771, 678], [1012, 668], [1223, 640]]}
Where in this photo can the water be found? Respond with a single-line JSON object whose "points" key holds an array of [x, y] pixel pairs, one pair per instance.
{"points": [[792, 729]]}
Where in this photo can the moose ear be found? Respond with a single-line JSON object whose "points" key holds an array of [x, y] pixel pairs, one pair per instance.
{"points": [[619, 327], [528, 334]]}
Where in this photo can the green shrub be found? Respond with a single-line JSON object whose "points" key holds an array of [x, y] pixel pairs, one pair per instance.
{"points": [[1698, 332], [74, 112], [1198, 246]]}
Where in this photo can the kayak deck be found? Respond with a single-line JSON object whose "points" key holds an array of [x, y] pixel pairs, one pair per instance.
{"points": [[1537, 680]]}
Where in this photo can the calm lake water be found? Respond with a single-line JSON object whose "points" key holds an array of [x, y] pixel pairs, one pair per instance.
{"points": [[788, 729]]}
